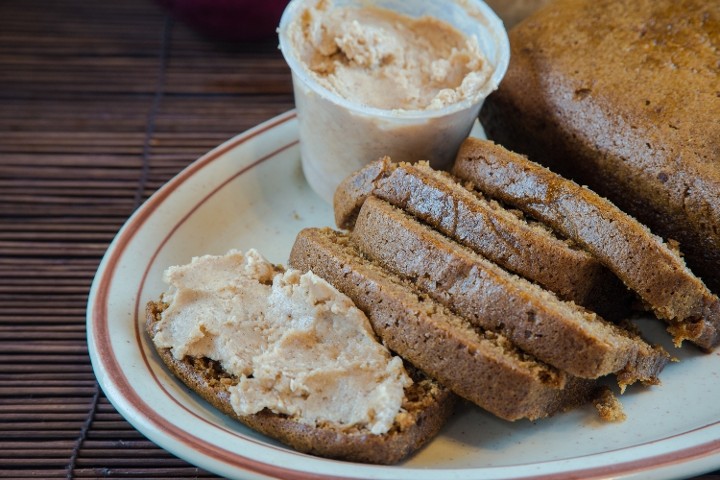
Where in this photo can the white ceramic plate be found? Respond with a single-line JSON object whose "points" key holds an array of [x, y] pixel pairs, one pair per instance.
{"points": [[250, 192]]}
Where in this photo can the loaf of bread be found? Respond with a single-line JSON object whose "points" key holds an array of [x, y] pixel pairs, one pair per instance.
{"points": [[220, 348], [559, 333], [479, 365], [623, 96], [646, 264], [505, 237]]}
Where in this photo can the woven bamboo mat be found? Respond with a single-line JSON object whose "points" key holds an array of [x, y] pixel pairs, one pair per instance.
{"points": [[100, 104]]}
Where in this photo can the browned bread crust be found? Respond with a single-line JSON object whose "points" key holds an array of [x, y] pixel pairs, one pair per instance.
{"points": [[622, 96], [640, 259], [559, 333], [480, 366], [504, 237], [427, 407]]}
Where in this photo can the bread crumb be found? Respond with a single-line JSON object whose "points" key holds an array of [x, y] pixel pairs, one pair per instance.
{"points": [[609, 407]]}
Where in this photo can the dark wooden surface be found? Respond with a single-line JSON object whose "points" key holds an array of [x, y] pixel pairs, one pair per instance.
{"points": [[100, 104]]}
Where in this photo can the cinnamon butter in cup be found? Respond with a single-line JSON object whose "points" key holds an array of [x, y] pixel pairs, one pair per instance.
{"points": [[399, 78]]}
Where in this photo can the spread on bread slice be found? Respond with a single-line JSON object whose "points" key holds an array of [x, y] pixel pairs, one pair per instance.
{"points": [[559, 333], [287, 354], [642, 260], [503, 236], [481, 366]]}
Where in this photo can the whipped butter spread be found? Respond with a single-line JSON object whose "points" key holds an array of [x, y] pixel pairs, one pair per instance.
{"points": [[383, 59], [371, 81], [298, 346]]}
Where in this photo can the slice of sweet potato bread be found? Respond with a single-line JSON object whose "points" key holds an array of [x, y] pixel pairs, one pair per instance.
{"points": [[480, 366], [560, 333], [526, 248], [426, 408], [642, 260]]}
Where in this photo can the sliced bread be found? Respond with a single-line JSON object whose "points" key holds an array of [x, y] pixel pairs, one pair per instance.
{"points": [[642, 260], [481, 366], [426, 408], [559, 333], [503, 236]]}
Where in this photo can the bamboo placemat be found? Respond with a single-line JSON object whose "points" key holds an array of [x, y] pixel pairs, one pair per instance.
{"points": [[100, 104]]}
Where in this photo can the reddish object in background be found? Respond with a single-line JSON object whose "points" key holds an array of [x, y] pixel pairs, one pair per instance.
{"points": [[229, 20]]}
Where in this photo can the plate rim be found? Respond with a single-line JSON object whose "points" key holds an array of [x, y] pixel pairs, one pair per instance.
{"points": [[119, 392]]}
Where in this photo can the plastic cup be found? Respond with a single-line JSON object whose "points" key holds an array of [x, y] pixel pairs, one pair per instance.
{"points": [[339, 136]]}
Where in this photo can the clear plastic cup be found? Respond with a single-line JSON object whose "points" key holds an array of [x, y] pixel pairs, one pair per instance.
{"points": [[339, 136]]}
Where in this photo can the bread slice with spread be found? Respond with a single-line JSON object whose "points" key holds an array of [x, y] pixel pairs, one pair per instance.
{"points": [[286, 354]]}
